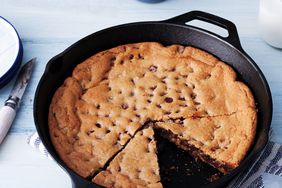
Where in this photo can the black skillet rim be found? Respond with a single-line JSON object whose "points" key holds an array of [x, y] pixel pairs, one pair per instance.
{"points": [[249, 158]]}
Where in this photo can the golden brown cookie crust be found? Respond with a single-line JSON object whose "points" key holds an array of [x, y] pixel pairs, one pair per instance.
{"points": [[113, 93], [135, 166]]}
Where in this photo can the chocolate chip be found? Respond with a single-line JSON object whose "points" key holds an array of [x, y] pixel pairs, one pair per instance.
{"points": [[168, 100], [182, 98], [112, 60], [89, 132], [180, 49], [193, 95], [221, 140], [131, 56], [140, 56], [153, 88], [197, 103], [158, 105], [147, 150], [167, 113], [153, 68], [98, 125], [181, 121], [84, 91], [124, 106]]}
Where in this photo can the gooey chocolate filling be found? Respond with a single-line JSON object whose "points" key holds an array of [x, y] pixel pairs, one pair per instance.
{"points": [[194, 152]]}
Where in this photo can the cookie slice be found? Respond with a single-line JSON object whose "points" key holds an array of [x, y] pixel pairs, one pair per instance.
{"points": [[220, 141], [135, 166], [87, 125]]}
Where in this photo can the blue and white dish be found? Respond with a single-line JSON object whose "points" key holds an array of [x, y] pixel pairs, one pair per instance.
{"points": [[11, 52]]}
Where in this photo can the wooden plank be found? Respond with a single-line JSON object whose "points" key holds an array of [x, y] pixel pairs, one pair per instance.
{"points": [[59, 19], [22, 166]]}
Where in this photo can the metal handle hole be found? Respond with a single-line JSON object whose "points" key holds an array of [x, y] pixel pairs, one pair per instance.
{"points": [[209, 27]]}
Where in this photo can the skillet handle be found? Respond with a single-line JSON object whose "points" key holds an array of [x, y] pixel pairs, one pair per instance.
{"points": [[232, 37]]}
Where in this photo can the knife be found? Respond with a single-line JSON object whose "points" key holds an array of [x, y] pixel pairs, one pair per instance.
{"points": [[8, 111]]}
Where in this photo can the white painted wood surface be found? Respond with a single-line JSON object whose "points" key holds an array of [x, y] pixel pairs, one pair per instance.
{"points": [[47, 27]]}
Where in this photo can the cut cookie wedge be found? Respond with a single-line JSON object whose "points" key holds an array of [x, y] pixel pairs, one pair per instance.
{"points": [[86, 129], [135, 166], [221, 141]]}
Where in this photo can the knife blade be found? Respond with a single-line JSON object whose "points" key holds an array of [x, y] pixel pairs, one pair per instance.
{"points": [[8, 111]]}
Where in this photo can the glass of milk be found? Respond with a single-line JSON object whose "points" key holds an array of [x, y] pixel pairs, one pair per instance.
{"points": [[270, 22]]}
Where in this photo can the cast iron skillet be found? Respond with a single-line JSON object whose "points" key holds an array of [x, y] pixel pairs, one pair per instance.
{"points": [[171, 31]]}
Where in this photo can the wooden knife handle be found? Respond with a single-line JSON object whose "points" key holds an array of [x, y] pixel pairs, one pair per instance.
{"points": [[7, 116]]}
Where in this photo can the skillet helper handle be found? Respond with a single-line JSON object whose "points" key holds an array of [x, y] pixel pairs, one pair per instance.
{"points": [[7, 115], [232, 37]]}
